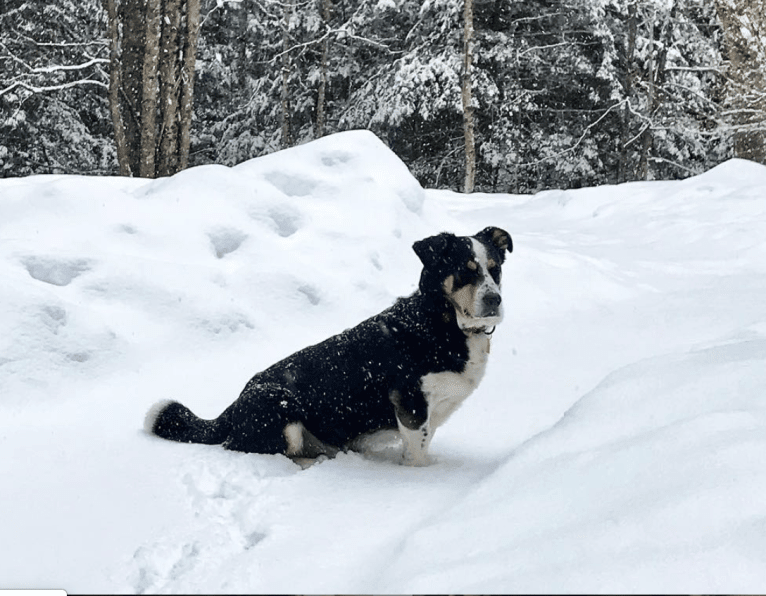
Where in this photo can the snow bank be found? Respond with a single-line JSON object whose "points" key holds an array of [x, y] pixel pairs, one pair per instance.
{"points": [[650, 481], [103, 267], [614, 445]]}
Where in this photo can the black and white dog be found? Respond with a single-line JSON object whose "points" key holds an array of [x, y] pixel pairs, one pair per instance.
{"points": [[407, 368]]}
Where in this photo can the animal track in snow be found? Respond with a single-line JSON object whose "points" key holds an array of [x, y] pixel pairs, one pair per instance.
{"points": [[226, 240], [311, 293], [57, 272], [292, 185], [334, 158], [287, 221], [127, 229], [54, 317], [226, 496]]}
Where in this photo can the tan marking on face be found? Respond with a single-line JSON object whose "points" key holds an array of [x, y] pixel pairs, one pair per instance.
{"points": [[448, 284], [462, 299], [472, 265], [490, 263]]}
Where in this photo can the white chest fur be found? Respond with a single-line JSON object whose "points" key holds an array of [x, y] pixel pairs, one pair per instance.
{"points": [[445, 391]]}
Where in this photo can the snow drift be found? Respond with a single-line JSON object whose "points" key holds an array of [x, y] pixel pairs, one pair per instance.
{"points": [[615, 444]]}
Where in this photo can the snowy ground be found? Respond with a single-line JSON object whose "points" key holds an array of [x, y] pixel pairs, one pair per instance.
{"points": [[617, 443]]}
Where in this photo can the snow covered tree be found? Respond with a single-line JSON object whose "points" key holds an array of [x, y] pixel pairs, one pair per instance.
{"points": [[539, 94], [744, 25], [546, 84], [666, 77], [53, 101]]}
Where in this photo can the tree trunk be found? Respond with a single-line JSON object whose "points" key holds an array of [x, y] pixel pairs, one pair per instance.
{"points": [[168, 157], [187, 80], [656, 78], [149, 92], [151, 84], [646, 136], [320, 118], [744, 25], [286, 134], [133, 26], [115, 83], [468, 126], [627, 85]]}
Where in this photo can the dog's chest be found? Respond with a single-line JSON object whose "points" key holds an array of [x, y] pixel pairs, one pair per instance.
{"points": [[445, 391]]}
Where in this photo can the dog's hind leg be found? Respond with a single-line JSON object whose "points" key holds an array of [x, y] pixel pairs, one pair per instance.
{"points": [[301, 443], [258, 418]]}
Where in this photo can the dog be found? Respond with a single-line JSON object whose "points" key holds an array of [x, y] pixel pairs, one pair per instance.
{"points": [[406, 369]]}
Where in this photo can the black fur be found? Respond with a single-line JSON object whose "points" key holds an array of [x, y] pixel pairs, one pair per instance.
{"points": [[355, 382]]}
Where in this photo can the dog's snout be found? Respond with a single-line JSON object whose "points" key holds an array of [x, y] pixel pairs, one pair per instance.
{"points": [[491, 301]]}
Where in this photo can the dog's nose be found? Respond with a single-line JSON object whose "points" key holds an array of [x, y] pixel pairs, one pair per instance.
{"points": [[491, 301]]}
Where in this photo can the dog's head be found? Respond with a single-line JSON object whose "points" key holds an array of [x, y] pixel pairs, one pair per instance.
{"points": [[466, 270]]}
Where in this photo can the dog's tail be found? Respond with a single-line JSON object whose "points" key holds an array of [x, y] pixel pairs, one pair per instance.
{"points": [[173, 421]]}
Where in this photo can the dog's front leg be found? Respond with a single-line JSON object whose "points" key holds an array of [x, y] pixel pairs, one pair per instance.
{"points": [[416, 442], [414, 426]]}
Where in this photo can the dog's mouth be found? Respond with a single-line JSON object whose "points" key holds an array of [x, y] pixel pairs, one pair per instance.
{"points": [[483, 324]]}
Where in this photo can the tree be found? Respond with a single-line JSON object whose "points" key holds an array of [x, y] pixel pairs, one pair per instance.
{"points": [[668, 74], [153, 54], [538, 94], [466, 95], [322, 92], [53, 101], [744, 26]]}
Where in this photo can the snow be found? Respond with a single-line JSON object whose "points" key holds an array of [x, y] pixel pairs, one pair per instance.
{"points": [[615, 444]]}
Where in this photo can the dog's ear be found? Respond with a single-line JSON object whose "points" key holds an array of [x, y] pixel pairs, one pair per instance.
{"points": [[500, 238], [431, 249]]}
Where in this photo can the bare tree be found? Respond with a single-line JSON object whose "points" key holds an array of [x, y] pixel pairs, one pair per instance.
{"points": [[152, 82]]}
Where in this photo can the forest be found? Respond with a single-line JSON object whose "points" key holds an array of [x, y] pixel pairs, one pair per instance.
{"points": [[561, 93]]}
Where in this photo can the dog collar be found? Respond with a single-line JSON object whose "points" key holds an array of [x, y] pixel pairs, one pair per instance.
{"points": [[477, 330]]}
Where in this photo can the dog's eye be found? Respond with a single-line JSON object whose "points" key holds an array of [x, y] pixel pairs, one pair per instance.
{"points": [[465, 277]]}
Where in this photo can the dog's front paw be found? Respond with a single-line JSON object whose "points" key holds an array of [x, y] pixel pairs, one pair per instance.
{"points": [[419, 460]]}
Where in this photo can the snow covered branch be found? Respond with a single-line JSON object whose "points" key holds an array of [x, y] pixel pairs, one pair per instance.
{"points": [[43, 89], [579, 140]]}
